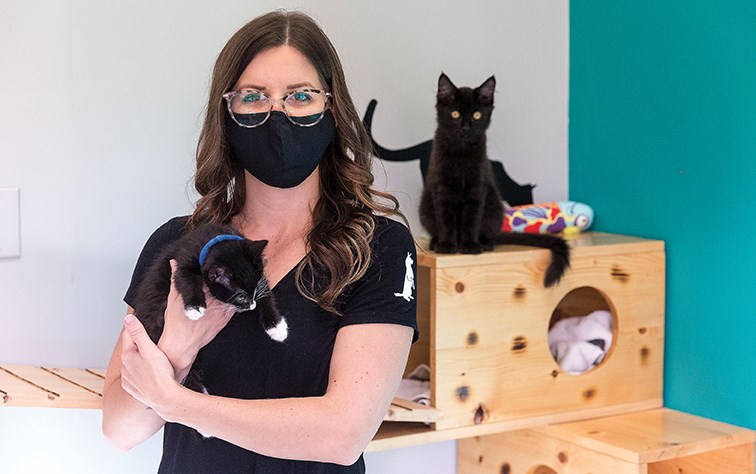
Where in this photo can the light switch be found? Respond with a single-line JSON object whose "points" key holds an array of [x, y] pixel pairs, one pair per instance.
{"points": [[10, 223]]}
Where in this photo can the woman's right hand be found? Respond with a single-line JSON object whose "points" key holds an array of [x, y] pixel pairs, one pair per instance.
{"points": [[182, 338]]}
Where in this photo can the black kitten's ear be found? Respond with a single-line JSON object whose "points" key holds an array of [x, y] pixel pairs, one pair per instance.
{"points": [[257, 246], [446, 89], [486, 91], [220, 275]]}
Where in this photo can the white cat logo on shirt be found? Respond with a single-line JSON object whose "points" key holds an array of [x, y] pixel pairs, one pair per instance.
{"points": [[409, 280]]}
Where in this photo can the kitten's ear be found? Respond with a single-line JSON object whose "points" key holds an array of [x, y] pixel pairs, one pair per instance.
{"points": [[220, 275], [257, 246], [446, 89], [486, 91]]}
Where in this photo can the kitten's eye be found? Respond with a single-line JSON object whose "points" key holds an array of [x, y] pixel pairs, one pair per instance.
{"points": [[455, 114], [477, 115]]}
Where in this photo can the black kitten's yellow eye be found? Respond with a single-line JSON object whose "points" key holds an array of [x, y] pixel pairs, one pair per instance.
{"points": [[455, 114], [477, 115]]}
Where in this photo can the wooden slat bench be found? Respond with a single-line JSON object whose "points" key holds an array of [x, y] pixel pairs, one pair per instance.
{"points": [[54, 387]]}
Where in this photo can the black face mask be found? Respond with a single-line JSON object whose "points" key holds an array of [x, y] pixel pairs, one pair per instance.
{"points": [[279, 153]]}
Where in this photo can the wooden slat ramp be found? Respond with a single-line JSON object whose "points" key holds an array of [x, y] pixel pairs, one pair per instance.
{"points": [[27, 386]]}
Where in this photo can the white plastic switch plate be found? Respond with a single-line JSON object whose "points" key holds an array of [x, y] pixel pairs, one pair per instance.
{"points": [[10, 223]]}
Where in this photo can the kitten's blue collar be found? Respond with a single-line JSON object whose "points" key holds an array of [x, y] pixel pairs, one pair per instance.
{"points": [[213, 241]]}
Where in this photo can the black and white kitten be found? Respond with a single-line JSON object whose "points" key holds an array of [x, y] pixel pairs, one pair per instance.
{"points": [[217, 257], [460, 206]]}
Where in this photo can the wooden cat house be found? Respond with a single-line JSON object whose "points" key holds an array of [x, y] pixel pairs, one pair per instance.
{"points": [[485, 320]]}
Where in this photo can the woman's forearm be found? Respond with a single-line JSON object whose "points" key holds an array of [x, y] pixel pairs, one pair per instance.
{"points": [[126, 422], [366, 368], [312, 428]]}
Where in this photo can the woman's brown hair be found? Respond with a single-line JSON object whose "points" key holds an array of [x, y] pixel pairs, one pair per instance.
{"points": [[343, 219]]}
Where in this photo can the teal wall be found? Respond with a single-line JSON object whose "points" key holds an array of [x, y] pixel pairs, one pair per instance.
{"points": [[663, 145]]}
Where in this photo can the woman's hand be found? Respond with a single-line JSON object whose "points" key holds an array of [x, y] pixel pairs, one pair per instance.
{"points": [[182, 337], [146, 373]]}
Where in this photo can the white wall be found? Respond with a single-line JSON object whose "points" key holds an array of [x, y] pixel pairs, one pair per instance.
{"points": [[100, 104]]}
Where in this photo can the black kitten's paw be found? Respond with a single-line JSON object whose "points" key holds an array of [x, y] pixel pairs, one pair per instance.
{"points": [[445, 247], [471, 248], [194, 312], [486, 245]]}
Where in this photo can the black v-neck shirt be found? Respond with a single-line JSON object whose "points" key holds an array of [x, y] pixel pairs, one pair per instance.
{"points": [[244, 362]]}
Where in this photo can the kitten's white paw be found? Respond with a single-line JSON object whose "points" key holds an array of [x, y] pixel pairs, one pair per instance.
{"points": [[280, 332], [253, 305], [194, 313]]}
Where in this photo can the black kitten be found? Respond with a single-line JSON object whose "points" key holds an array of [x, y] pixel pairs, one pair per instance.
{"points": [[228, 264], [460, 205]]}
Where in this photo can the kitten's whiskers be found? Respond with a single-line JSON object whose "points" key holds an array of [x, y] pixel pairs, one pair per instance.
{"points": [[262, 289]]}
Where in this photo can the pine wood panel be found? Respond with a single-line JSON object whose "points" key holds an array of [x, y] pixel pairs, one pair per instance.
{"points": [[85, 379], [525, 452], [409, 411], [29, 386], [98, 372], [734, 460], [396, 435], [65, 387], [587, 243], [660, 441], [510, 298], [490, 359], [651, 436]]}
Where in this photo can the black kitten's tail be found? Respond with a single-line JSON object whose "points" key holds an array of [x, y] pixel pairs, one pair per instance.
{"points": [[560, 251]]}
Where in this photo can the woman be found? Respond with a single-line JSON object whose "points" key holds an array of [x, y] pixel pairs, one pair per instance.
{"points": [[283, 157]]}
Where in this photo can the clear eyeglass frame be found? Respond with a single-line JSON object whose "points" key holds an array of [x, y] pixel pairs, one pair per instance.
{"points": [[230, 95]]}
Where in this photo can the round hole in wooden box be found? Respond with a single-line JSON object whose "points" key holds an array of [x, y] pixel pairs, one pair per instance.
{"points": [[541, 469], [581, 330]]}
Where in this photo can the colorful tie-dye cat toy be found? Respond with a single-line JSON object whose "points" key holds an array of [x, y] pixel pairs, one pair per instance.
{"points": [[548, 218]]}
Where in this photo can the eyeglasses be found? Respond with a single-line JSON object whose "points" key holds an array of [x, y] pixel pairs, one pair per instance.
{"points": [[250, 108]]}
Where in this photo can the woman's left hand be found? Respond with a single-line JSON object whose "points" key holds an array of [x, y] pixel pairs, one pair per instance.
{"points": [[146, 373]]}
